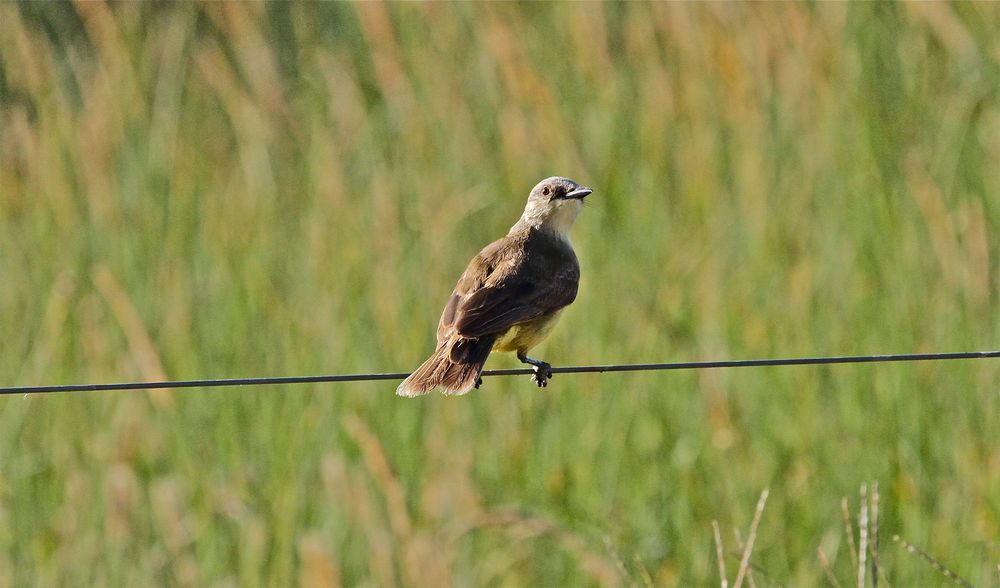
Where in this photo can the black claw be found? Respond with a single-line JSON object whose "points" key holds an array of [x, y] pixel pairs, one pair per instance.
{"points": [[479, 382], [542, 375], [542, 370]]}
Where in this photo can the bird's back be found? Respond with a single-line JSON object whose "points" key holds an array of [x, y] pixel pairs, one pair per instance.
{"points": [[526, 274], [515, 286]]}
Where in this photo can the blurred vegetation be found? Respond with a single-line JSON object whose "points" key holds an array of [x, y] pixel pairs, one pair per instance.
{"points": [[222, 190]]}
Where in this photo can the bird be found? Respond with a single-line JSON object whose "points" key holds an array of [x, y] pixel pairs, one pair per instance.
{"points": [[510, 295]]}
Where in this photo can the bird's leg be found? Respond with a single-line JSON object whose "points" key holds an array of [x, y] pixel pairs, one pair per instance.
{"points": [[543, 371]]}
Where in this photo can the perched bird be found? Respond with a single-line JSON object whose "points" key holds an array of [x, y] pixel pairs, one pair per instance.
{"points": [[510, 296]]}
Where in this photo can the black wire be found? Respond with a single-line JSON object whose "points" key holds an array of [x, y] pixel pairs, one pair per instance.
{"points": [[636, 367]]}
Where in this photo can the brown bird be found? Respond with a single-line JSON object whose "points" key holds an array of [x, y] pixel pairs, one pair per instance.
{"points": [[510, 296]]}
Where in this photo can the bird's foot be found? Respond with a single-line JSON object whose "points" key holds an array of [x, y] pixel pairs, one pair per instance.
{"points": [[542, 374], [542, 370], [479, 382]]}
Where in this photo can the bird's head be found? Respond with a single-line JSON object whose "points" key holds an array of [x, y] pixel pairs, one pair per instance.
{"points": [[554, 203]]}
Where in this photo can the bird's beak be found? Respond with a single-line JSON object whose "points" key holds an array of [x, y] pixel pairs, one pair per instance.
{"points": [[579, 193]]}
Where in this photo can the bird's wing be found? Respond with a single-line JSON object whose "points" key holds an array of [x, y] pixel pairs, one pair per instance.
{"points": [[514, 280], [523, 297]]}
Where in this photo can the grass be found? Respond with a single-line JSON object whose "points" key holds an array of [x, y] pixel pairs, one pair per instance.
{"points": [[225, 190]]}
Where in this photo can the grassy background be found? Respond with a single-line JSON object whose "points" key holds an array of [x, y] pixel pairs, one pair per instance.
{"points": [[225, 190]]}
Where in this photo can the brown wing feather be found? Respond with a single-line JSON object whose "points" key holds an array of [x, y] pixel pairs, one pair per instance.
{"points": [[493, 310], [473, 278], [516, 279]]}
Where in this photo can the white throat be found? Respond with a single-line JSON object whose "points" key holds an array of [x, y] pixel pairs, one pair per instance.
{"points": [[556, 217]]}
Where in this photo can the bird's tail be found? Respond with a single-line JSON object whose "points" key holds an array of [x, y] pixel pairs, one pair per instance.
{"points": [[454, 367]]}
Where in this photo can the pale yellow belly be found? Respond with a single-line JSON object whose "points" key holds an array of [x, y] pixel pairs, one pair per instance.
{"points": [[527, 335]]}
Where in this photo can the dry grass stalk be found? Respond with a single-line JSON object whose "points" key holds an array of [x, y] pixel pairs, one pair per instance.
{"points": [[849, 531], [140, 344], [748, 549], [739, 545], [317, 569], [53, 321], [827, 569], [876, 562], [647, 580], [940, 567], [719, 555], [395, 499], [863, 536], [378, 465], [617, 558]]}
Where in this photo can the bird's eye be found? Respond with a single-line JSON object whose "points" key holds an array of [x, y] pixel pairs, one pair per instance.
{"points": [[546, 191]]}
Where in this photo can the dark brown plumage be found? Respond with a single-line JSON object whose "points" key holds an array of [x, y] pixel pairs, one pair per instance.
{"points": [[508, 296]]}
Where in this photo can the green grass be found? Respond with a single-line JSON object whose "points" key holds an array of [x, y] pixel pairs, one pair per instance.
{"points": [[238, 190]]}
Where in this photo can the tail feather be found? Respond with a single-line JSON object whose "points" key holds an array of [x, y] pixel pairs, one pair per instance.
{"points": [[442, 370]]}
